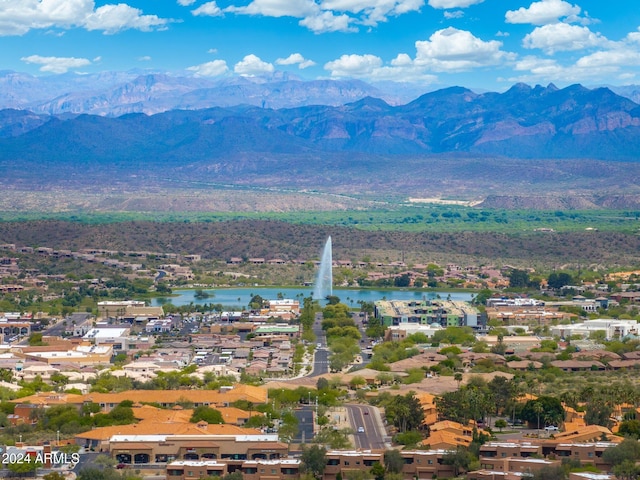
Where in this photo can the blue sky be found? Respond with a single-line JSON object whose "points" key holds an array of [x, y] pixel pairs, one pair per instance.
{"points": [[483, 44]]}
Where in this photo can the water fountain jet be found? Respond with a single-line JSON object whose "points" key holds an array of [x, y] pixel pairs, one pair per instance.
{"points": [[323, 287]]}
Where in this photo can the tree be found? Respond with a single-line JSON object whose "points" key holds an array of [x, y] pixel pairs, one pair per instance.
{"points": [[500, 423], [24, 468], [357, 382], [405, 412], [598, 413], [538, 409], [550, 409], [393, 461], [518, 278], [237, 475], [314, 460], [550, 473], [377, 470], [627, 470], [207, 414], [459, 459], [96, 473], [630, 428], [322, 384], [627, 450], [501, 392], [559, 280], [54, 476]]}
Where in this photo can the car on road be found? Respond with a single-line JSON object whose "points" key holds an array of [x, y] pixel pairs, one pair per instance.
{"points": [[366, 412], [318, 345], [360, 429], [550, 428]]}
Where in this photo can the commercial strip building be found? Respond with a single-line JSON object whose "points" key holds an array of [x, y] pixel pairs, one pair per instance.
{"points": [[611, 328]]}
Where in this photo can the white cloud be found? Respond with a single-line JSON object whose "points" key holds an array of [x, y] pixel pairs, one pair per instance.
{"points": [[56, 64], [453, 50], [449, 50], [633, 37], [331, 15], [402, 69], [454, 14], [563, 37], [115, 18], [145, 58], [252, 65], [278, 8], [354, 65], [296, 59], [543, 12], [600, 66], [212, 50], [186, 3], [209, 9], [538, 66], [619, 57], [453, 3], [214, 68], [372, 12], [17, 17], [328, 22]]}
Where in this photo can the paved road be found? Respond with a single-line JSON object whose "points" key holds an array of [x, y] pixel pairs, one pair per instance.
{"points": [[320, 362], [321, 357], [368, 418], [305, 424], [86, 460]]}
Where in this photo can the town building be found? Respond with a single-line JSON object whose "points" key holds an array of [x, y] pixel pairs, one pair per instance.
{"points": [[445, 313]]}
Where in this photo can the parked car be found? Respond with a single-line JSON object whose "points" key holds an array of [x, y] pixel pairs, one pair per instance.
{"points": [[551, 428]]}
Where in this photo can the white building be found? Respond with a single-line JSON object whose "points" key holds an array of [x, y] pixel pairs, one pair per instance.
{"points": [[116, 337], [613, 328]]}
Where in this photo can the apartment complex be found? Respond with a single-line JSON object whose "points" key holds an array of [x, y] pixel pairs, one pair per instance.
{"points": [[445, 313]]}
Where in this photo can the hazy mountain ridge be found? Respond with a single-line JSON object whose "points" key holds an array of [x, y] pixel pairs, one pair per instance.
{"points": [[118, 93], [512, 148], [523, 122]]}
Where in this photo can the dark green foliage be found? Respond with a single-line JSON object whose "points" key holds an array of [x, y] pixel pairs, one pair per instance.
{"points": [[455, 335], [410, 437], [559, 280], [377, 471], [549, 412], [313, 460], [405, 412], [550, 473], [630, 428], [627, 450], [459, 459], [206, 414], [627, 470], [393, 461], [598, 414]]}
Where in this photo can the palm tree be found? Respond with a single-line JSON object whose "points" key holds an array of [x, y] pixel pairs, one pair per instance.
{"points": [[458, 378], [538, 408]]}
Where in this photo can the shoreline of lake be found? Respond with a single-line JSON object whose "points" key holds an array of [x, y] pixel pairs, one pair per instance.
{"points": [[239, 297]]}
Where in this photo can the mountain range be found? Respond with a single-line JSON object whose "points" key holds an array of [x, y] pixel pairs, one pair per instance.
{"points": [[452, 136], [523, 122], [118, 93]]}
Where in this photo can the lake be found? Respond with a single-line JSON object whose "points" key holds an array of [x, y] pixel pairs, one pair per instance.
{"points": [[240, 297]]}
